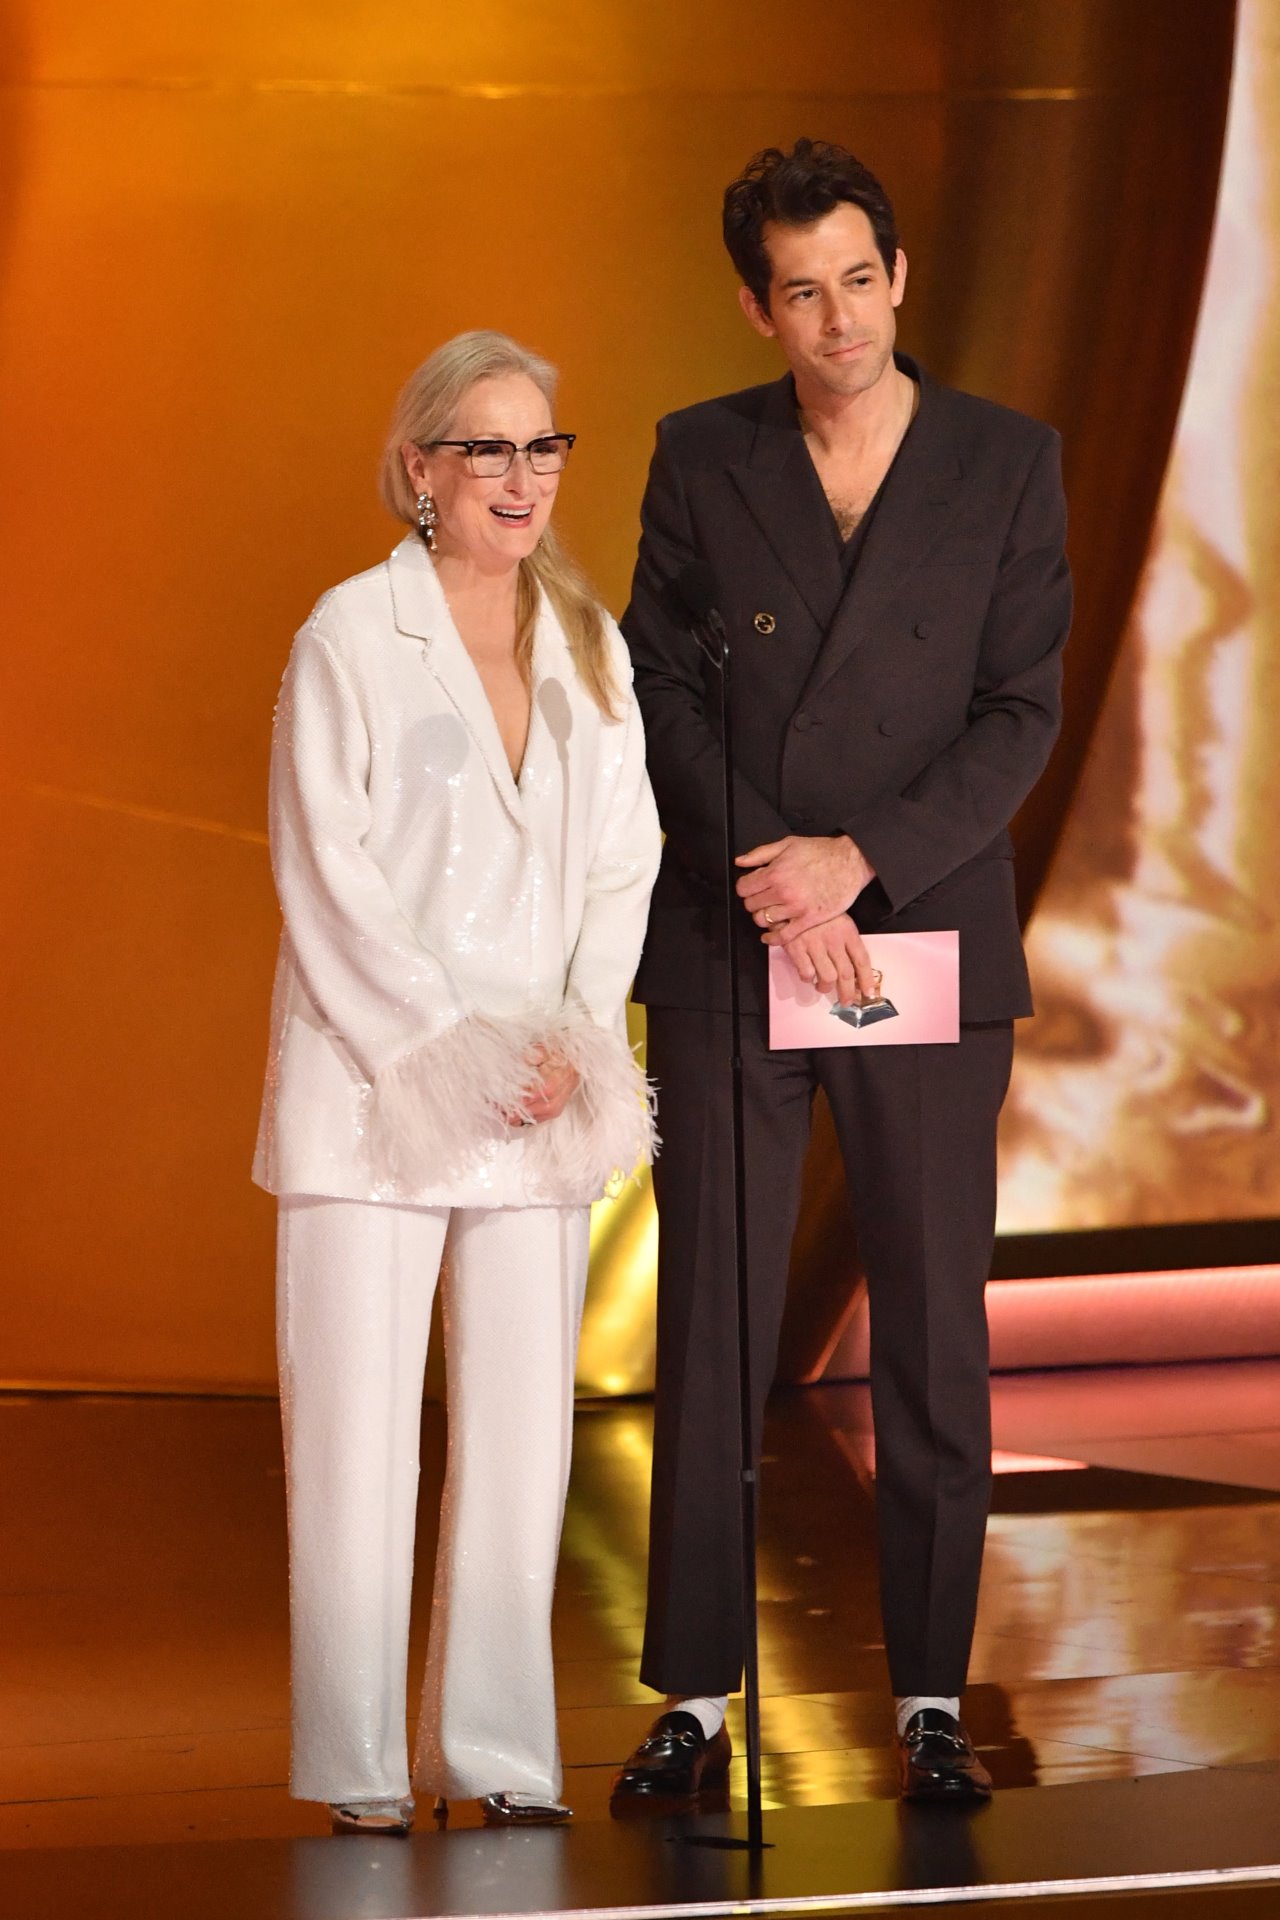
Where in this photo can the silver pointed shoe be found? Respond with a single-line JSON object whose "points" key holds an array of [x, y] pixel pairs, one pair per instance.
{"points": [[523, 1810], [372, 1816]]}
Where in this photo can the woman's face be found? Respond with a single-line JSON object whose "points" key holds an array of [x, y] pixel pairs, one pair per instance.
{"points": [[494, 523]]}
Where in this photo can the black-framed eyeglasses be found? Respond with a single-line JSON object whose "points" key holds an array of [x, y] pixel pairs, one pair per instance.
{"points": [[490, 459]]}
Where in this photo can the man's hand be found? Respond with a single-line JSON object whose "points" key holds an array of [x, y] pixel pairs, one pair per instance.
{"points": [[547, 1096], [801, 882], [834, 959]]}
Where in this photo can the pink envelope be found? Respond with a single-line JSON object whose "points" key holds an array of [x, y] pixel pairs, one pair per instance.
{"points": [[921, 979]]}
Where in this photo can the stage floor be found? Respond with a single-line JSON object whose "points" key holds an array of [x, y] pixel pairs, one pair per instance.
{"points": [[1129, 1624], [871, 1858]]}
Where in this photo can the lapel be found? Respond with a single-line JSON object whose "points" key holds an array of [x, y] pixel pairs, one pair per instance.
{"points": [[422, 613], [782, 489], [919, 498], [552, 676]]}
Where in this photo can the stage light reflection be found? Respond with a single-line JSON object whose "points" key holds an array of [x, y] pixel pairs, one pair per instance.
{"points": [[1116, 1635]]}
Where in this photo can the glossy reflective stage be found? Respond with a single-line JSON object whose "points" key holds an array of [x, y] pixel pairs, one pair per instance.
{"points": [[868, 1858], [1130, 1623]]}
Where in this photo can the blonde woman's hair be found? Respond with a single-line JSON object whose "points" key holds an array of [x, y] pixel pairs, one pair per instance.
{"points": [[424, 412]]}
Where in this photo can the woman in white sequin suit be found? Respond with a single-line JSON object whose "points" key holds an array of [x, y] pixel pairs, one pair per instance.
{"points": [[464, 842]]}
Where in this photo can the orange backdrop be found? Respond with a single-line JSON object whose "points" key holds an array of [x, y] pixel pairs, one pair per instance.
{"points": [[226, 236]]}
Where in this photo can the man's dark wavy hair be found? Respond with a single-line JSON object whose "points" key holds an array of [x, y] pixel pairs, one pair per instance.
{"points": [[795, 189]]}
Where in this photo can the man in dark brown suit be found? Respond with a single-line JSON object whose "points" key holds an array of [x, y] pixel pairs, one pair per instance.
{"points": [[889, 556]]}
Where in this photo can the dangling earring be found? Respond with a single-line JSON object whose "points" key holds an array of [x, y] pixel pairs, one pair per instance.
{"points": [[427, 520]]}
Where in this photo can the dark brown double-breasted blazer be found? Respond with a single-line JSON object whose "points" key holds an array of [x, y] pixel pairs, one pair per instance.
{"points": [[912, 704]]}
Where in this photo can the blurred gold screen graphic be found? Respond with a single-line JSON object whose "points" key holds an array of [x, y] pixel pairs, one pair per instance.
{"points": [[1146, 1089]]}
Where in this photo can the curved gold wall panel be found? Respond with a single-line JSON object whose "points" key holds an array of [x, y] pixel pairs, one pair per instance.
{"points": [[227, 235]]}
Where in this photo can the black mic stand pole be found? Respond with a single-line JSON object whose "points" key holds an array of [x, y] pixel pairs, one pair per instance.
{"points": [[714, 628]]}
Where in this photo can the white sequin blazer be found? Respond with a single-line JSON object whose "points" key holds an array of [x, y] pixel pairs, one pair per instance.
{"points": [[440, 917]]}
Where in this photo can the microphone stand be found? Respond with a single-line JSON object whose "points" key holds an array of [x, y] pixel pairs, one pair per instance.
{"points": [[710, 630]]}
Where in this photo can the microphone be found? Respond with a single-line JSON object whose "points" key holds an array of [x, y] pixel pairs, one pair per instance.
{"points": [[693, 595]]}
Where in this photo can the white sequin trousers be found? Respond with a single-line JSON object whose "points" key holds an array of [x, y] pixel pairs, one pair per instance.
{"points": [[355, 1285]]}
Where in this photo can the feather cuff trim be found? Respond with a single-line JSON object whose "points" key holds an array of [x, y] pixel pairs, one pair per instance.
{"points": [[436, 1115], [606, 1132]]}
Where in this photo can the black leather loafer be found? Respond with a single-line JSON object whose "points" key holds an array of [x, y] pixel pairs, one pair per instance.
{"points": [[936, 1760], [675, 1761]]}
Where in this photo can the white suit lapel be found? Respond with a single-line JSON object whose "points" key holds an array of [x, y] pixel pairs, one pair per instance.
{"points": [[422, 613], [551, 721]]}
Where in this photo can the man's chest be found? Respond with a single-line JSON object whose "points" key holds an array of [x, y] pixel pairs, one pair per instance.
{"points": [[849, 486]]}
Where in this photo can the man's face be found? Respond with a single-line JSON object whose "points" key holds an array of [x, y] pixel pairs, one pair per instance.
{"points": [[831, 302]]}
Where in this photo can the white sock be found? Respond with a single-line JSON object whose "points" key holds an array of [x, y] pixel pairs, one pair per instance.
{"points": [[706, 1710], [909, 1704]]}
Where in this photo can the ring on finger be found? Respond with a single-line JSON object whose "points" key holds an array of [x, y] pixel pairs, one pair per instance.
{"points": [[766, 914]]}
